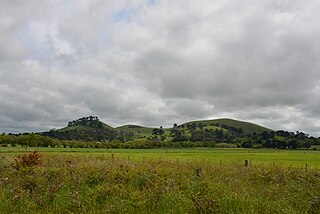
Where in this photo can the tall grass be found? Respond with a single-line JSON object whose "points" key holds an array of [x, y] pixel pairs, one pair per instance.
{"points": [[99, 184]]}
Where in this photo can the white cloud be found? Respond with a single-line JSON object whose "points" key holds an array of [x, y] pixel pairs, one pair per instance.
{"points": [[160, 62]]}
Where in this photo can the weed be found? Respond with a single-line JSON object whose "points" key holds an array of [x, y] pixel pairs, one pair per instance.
{"points": [[28, 160]]}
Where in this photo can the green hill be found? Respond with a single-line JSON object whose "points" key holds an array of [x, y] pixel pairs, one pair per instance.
{"points": [[138, 131], [247, 127], [85, 123], [225, 124], [92, 129], [85, 128]]}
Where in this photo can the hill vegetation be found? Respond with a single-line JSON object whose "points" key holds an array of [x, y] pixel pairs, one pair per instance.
{"points": [[91, 132], [84, 129], [136, 130], [233, 125]]}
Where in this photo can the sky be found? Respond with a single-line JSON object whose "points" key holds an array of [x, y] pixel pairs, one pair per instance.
{"points": [[159, 62]]}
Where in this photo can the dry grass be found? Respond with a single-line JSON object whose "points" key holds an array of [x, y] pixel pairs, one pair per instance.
{"points": [[98, 184], [28, 160]]}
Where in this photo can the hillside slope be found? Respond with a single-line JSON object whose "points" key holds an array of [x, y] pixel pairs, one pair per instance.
{"points": [[247, 127], [138, 131], [85, 128], [92, 129]]}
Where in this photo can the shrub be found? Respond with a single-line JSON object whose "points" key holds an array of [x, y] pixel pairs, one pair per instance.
{"points": [[226, 145], [257, 146], [28, 160]]}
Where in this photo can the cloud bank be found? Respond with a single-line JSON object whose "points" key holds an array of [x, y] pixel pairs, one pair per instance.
{"points": [[159, 62]]}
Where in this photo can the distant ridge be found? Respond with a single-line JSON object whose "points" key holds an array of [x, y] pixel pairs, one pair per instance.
{"points": [[90, 122], [91, 128], [248, 128], [94, 122], [85, 128], [222, 123]]}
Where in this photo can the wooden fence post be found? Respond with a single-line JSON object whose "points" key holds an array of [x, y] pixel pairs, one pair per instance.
{"points": [[246, 163], [306, 167]]}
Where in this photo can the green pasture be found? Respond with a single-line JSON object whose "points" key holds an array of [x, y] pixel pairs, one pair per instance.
{"points": [[292, 158], [75, 180]]}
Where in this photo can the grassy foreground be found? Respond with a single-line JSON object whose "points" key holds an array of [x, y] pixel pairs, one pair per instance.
{"points": [[98, 183]]}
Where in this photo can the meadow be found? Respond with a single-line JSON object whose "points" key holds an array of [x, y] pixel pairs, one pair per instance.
{"points": [[292, 158], [65, 180]]}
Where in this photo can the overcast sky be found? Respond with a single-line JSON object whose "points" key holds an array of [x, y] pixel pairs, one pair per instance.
{"points": [[159, 62]]}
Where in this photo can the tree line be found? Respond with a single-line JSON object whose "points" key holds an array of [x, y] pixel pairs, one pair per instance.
{"points": [[277, 140], [90, 132]]}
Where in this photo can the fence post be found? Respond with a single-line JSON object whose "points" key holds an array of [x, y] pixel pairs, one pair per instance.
{"points": [[112, 156], [306, 167], [246, 163]]}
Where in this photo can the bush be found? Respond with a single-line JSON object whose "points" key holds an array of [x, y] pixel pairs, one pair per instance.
{"points": [[226, 145], [257, 146], [28, 160]]}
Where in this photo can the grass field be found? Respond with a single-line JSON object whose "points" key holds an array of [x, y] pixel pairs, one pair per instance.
{"points": [[160, 181], [293, 158]]}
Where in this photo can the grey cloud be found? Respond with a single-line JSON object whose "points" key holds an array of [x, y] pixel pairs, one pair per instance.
{"points": [[159, 64], [191, 108]]}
